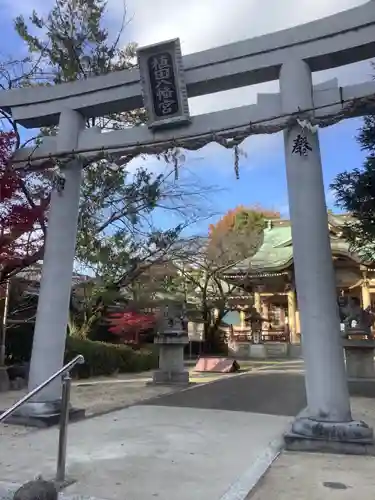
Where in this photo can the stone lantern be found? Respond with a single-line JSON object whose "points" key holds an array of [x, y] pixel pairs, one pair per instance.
{"points": [[172, 338]]}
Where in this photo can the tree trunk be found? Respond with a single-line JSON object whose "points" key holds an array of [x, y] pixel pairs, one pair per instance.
{"points": [[215, 343], [4, 323]]}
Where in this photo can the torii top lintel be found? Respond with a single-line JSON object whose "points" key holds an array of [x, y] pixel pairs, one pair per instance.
{"points": [[330, 42]]}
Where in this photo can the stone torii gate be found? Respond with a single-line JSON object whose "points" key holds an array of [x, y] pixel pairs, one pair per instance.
{"points": [[290, 56]]}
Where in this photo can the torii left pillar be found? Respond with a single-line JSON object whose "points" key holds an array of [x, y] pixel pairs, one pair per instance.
{"points": [[56, 283]]}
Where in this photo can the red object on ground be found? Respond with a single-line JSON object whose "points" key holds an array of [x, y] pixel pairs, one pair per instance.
{"points": [[218, 365]]}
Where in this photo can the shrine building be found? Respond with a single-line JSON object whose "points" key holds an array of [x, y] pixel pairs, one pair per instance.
{"points": [[267, 281]]}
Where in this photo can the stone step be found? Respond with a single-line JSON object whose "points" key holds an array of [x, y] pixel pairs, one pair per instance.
{"points": [[276, 350], [7, 491]]}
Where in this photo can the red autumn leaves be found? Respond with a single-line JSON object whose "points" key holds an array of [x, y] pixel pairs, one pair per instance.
{"points": [[20, 215], [130, 325]]}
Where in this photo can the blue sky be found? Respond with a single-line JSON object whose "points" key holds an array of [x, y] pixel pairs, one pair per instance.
{"points": [[262, 172]]}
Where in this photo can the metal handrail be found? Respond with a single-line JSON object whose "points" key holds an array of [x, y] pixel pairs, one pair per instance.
{"points": [[64, 417], [78, 360]]}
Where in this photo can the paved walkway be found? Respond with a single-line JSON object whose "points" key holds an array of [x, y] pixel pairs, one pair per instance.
{"points": [[317, 477], [210, 442], [105, 394], [280, 394], [148, 452], [158, 447]]}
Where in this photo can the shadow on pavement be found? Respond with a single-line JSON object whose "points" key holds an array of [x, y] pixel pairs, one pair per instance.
{"points": [[267, 393]]}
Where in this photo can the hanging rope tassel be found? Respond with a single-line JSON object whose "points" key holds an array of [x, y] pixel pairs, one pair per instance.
{"points": [[237, 162], [176, 171]]}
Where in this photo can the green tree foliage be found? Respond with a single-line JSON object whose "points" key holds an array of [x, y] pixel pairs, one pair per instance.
{"points": [[71, 43], [89, 306], [116, 229], [355, 193]]}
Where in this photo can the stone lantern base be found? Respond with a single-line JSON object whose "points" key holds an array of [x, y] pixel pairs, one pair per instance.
{"points": [[171, 359]]}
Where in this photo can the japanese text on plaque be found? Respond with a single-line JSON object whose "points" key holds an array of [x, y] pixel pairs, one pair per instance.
{"points": [[163, 84]]}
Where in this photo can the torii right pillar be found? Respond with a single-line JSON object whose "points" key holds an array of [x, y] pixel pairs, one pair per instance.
{"points": [[326, 424]]}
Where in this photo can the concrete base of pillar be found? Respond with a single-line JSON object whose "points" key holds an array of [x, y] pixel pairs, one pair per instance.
{"points": [[4, 379], [170, 378], [42, 414], [350, 438]]}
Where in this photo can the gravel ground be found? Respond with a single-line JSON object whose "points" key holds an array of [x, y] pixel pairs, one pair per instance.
{"points": [[96, 398], [103, 394]]}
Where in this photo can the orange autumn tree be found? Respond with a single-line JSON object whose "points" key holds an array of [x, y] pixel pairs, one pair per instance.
{"points": [[238, 234]]}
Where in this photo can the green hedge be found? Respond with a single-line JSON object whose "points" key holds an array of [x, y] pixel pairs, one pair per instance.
{"points": [[102, 358], [108, 359], [19, 342]]}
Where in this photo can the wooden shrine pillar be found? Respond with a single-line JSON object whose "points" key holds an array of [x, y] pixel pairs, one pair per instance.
{"points": [[242, 319], [292, 309], [265, 310], [298, 325], [366, 295], [258, 302]]}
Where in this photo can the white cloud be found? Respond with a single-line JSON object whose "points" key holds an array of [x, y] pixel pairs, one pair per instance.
{"points": [[203, 24], [14, 8], [151, 162]]}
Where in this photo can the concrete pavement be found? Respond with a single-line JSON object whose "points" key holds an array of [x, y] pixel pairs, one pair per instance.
{"points": [[211, 443], [314, 476], [106, 394], [148, 452], [263, 392]]}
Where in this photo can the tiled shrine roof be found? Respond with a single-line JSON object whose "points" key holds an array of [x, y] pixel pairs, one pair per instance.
{"points": [[276, 252]]}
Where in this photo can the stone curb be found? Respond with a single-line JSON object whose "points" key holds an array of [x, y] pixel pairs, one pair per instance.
{"points": [[240, 489]]}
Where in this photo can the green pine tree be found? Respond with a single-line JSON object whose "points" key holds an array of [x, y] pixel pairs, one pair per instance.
{"points": [[72, 43], [355, 193]]}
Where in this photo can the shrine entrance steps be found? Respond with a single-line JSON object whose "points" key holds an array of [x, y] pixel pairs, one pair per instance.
{"points": [[266, 350]]}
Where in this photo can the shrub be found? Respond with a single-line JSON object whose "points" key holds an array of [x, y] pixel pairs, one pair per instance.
{"points": [[146, 358], [107, 359], [19, 341]]}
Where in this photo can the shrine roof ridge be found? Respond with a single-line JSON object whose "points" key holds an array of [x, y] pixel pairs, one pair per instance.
{"points": [[333, 41], [276, 252]]}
